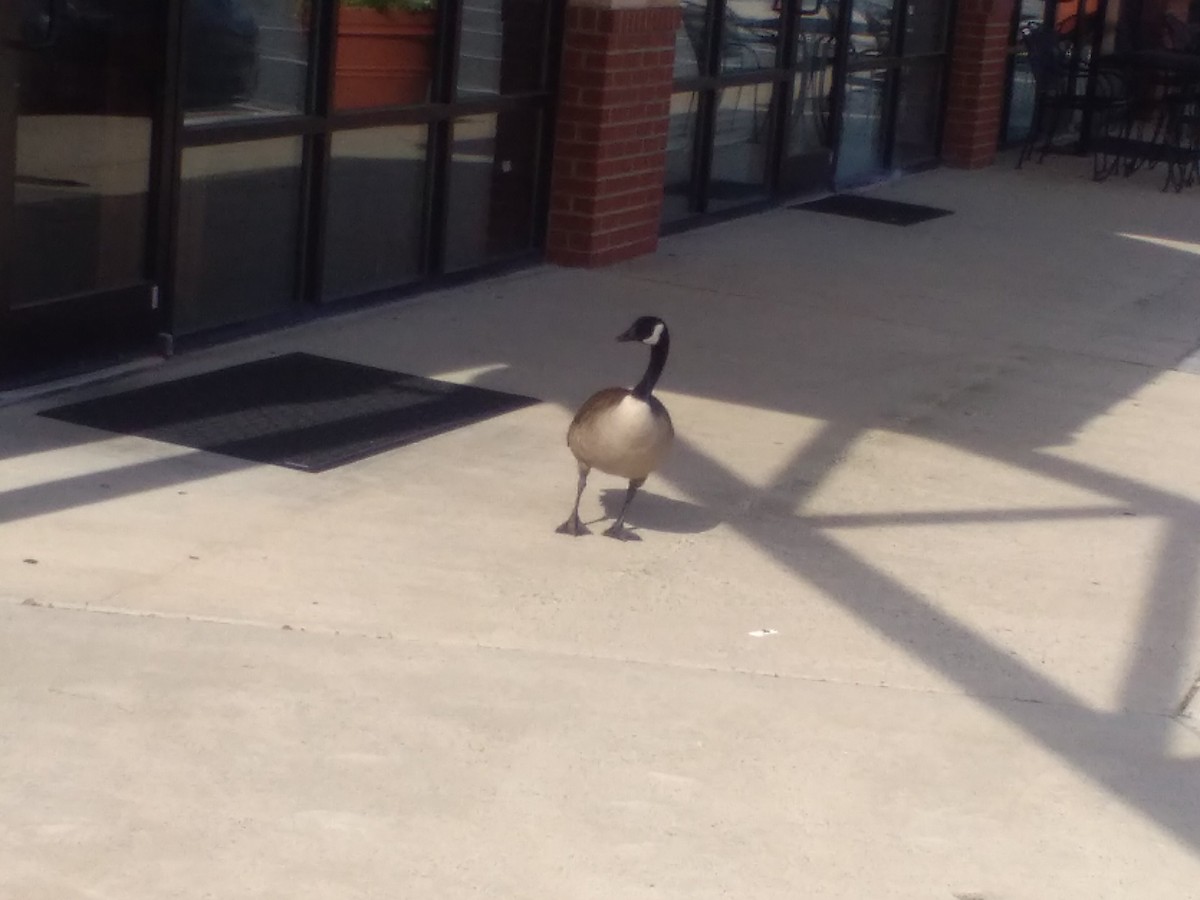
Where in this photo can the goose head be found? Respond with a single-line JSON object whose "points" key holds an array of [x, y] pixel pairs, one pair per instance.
{"points": [[646, 329]]}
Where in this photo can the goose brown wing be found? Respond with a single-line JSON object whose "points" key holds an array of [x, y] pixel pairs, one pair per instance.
{"points": [[595, 406]]}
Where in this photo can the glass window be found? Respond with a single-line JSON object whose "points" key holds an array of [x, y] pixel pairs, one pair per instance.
{"points": [[740, 145], [750, 36], [925, 27], [376, 207], [687, 51], [808, 121], [1021, 99], [871, 28], [239, 213], [690, 38], [83, 149], [861, 150], [917, 114], [244, 58], [501, 46], [493, 180], [384, 57], [681, 143]]}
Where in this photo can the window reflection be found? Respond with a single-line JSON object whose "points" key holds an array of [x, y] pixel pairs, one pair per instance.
{"points": [[925, 27], [750, 36], [493, 177], [692, 27], [808, 123], [244, 58], [1022, 97], [681, 142], [82, 131], [687, 50], [375, 213], [239, 216], [871, 27], [740, 146], [861, 151], [500, 46], [917, 114], [384, 53]]}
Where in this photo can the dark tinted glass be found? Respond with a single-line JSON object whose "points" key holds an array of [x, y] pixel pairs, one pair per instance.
{"points": [[244, 58], [681, 142], [239, 212], [750, 37], [925, 27], [493, 180], [739, 156], [373, 223], [917, 114], [84, 101], [501, 46]]}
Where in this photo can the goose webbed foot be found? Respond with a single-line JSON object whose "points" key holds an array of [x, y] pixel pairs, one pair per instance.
{"points": [[617, 529], [573, 526], [621, 533]]}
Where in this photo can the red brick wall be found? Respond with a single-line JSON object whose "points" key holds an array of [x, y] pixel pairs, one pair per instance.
{"points": [[610, 138], [977, 73]]}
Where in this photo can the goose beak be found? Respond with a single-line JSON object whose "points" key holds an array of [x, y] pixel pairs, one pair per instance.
{"points": [[627, 335]]}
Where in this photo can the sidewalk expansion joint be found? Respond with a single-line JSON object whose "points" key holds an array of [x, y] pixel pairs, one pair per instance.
{"points": [[683, 666]]}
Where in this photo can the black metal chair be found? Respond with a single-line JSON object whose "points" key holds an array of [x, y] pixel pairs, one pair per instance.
{"points": [[1181, 130], [1061, 89]]}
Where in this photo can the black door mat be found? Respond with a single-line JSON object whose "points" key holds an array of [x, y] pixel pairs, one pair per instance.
{"points": [[300, 411], [874, 209]]}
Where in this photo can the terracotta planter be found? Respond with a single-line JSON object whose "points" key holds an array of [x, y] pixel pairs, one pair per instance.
{"points": [[383, 58]]}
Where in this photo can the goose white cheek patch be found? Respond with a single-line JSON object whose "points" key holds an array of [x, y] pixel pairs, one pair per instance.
{"points": [[654, 335]]}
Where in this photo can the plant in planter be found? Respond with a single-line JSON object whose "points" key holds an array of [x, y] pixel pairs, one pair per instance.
{"points": [[384, 52]]}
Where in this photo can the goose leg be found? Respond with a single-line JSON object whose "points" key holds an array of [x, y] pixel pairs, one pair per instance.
{"points": [[573, 526], [617, 530]]}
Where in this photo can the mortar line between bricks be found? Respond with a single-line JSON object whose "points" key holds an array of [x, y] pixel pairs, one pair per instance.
{"points": [[326, 631]]}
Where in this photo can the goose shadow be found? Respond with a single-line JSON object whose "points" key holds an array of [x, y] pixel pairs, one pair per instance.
{"points": [[653, 512]]}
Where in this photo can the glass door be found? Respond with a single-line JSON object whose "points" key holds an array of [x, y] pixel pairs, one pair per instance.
{"points": [[892, 92], [77, 102], [724, 123], [807, 159]]}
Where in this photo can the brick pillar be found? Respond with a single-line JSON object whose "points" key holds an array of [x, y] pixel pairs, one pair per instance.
{"points": [[977, 69], [610, 139]]}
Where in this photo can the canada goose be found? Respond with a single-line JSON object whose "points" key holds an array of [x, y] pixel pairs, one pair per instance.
{"points": [[621, 431]]}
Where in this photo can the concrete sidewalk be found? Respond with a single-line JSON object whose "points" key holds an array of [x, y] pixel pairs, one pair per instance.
{"points": [[952, 467]]}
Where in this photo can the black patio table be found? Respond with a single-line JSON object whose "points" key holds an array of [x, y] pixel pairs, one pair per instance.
{"points": [[1159, 122]]}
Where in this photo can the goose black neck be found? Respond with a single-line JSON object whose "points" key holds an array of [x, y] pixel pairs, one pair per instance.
{"points": [[658, 359]]}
